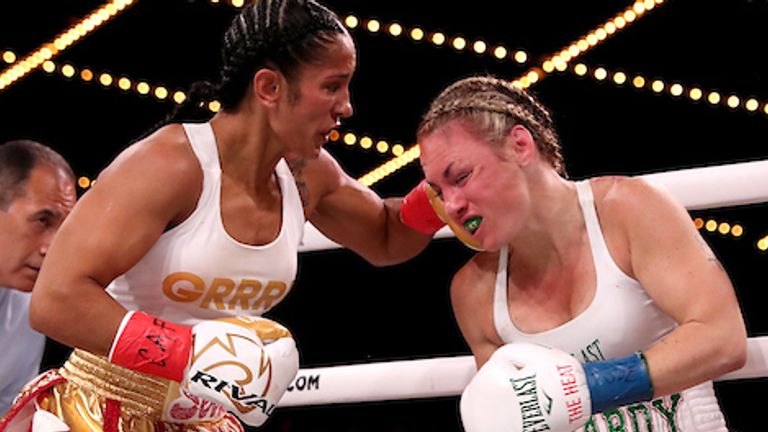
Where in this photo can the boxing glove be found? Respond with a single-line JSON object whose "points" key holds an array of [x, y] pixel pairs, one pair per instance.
{"points": [[244, 364], [525, 387], [423, 211]]}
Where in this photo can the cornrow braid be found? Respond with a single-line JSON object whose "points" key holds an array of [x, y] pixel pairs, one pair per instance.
{"points": [[493, 107], [279, 34]]}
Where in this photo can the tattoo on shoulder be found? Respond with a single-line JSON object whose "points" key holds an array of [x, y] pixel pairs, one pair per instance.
{"points": [[297, 166], [708, 252]]}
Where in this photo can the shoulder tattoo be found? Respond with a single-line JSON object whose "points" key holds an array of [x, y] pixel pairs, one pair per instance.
{"points": [[708, 252], [297, 169]]}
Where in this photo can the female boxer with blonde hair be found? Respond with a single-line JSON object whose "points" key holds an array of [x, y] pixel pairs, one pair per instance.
{"points": [[595, 303]]}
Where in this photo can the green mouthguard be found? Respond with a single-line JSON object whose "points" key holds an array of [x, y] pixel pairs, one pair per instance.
{"points": [[473, 224]]}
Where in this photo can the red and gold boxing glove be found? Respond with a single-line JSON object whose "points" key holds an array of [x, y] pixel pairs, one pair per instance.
{"points": [[423, 211], [244, 364], [416, 211]]}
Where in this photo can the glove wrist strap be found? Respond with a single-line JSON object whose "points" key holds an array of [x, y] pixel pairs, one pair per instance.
{"points": [[152, 346], [618, 382]]}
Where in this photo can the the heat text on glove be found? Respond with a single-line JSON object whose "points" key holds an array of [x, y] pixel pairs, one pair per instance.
{"points": [[571, 391]]}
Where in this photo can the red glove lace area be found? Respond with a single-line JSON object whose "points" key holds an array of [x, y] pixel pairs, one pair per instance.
{"points": [[152, 346], [417, 212]]}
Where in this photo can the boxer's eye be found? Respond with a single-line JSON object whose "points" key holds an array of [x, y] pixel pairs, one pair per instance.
{"points": [[462, 177]]}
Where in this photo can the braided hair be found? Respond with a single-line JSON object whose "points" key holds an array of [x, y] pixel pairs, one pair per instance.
{"points": [[492, 107], [279, 34]]}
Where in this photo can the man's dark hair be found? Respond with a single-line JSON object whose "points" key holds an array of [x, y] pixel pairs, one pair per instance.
{"points": [[17, 160]]}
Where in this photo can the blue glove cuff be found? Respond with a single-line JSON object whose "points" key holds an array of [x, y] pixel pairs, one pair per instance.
{"points": [[618, 382]]}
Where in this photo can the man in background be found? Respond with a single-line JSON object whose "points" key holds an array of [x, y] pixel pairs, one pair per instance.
{"points": [[37, 191]]}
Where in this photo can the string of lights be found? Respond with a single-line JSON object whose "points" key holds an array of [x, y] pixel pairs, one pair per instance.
{"points": [[619, 78], [762, 244], [724, 228], [732, 230], [437, 38], [673, 88], [557, 62], [47, 51], [161, 93], [560, 62]]}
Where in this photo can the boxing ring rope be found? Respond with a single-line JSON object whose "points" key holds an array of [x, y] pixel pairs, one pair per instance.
{"points": [[696, 188], [429, 378]]}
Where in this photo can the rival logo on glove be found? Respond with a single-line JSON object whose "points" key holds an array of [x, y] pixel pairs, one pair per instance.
{"points": [[245, 403], [234, 391]]}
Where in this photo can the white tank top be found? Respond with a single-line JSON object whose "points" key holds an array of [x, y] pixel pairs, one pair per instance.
{"points": [[620, 320], [197, 271]]}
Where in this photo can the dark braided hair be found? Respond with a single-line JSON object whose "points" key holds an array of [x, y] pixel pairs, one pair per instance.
{"points": [[492, 107], [279, 34]]}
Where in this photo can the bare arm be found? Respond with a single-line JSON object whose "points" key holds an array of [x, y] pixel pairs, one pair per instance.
{"points": [[472, 300], [356, 217], [685, 279], [148, 187]]}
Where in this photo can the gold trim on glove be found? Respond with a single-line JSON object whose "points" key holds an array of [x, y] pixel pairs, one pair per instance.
{"points": [[137, 393], [266, 329]]}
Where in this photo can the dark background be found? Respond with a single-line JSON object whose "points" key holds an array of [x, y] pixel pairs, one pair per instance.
{"points": [[342, 309]]}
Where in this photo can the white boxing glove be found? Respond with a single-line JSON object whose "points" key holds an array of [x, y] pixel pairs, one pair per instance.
{"points": [[527, 387], [245, 364]]}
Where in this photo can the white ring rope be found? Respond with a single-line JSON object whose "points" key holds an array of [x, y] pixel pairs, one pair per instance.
{"points": [[696, 188], [427, 378]]}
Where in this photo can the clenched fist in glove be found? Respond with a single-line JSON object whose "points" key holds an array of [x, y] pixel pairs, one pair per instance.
{"points": [[528, 387], [244, 364], [422, 211]]}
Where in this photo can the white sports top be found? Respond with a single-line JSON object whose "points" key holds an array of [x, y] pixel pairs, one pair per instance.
{"points": [[197, 271], [620, 320]]}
